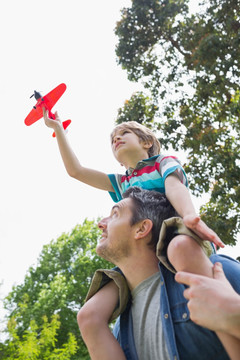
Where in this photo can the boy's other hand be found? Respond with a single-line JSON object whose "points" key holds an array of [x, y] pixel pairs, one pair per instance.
{"points": [[198, 226]]}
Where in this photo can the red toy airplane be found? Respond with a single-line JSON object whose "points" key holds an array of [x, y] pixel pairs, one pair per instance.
{"points": [[47, 101]]}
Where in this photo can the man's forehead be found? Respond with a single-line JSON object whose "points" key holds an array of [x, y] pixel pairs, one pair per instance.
{"points": [[123, 204]]}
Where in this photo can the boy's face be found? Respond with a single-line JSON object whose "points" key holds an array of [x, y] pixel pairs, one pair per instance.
{"points": [[126, 141]]}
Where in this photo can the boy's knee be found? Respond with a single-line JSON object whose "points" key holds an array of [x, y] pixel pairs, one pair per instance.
{"points": [[182, 245], [179, 243]]}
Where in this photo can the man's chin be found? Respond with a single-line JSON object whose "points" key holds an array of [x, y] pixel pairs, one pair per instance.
{"points": [[101, 251]]}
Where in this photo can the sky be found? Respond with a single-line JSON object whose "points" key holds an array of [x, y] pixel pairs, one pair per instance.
{"points": [[42, 45]]}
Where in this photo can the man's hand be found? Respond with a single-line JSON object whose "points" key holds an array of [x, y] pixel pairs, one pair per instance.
{"points": [[194, 223], [212, 301]]}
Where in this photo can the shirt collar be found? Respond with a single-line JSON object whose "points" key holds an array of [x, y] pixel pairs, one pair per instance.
{"points": [[140, 165]]}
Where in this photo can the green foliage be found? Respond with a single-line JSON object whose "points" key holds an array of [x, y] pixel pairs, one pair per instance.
{"points": [[55, 289], [38, 343], [189, 63], [139, 108]]}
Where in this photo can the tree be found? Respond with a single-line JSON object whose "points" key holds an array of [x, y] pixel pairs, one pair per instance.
{"points": [[139, 108], [189, 63], [38, 344], [57, 286]]}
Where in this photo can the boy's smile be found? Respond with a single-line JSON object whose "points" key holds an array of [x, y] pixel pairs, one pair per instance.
{"points": [[117, 144]]}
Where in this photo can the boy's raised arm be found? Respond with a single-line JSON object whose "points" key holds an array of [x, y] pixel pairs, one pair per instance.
{"points": [[88, 176]]}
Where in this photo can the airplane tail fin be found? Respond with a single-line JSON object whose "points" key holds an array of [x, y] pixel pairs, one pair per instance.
{"points": [[65, 124]]}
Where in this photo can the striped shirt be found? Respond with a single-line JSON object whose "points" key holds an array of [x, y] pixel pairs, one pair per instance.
{"points": [[149, 174]]}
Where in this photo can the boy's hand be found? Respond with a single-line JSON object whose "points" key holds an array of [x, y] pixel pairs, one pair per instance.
{"points": [[53, 124], [194, 223]]}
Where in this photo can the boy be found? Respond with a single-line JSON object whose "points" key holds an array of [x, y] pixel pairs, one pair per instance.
{"points": [[137, 149], [131, 143]]}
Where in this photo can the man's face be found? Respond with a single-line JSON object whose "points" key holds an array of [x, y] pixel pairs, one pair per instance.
{"points": [[115, 242]]}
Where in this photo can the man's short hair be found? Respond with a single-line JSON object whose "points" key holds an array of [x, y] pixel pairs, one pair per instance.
{"points": [[149, 204], [142, 132]]}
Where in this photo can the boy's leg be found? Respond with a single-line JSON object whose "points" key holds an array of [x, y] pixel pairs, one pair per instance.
{"points": [[93, 319], [231, 345], [185, 254]]}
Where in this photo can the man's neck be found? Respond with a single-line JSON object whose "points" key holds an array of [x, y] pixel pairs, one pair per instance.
{"points": [[139, 269]]}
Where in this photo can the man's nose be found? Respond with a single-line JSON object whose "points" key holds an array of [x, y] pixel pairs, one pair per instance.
{"points": [[102, 224]]}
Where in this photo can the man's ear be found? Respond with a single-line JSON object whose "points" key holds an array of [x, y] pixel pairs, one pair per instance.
{"points": [[143, 228]]}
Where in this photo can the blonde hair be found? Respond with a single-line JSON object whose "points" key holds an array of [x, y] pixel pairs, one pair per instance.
{"points": [[142, 132]]}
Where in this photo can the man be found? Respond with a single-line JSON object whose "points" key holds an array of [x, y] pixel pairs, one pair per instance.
{"points": [[155, 323]]}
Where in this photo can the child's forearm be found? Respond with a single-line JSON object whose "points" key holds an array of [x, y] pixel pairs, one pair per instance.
{"points": [[179, 196], [231, 320], [71, 162], [231, 345], [90, 177]]}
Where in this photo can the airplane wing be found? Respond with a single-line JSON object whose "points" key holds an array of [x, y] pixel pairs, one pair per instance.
{"points": [[49, 100], [52, 97], [33, 116]]}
